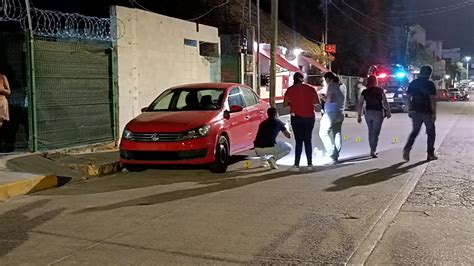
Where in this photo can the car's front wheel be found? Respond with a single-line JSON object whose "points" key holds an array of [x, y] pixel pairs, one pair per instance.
{"points": [[221, 157]]}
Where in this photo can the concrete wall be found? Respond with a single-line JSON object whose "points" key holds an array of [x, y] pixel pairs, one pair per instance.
{"points": [[152, 56], [435, 48], [454, 54], [418, 34]]}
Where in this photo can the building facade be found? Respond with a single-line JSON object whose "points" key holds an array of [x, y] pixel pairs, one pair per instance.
{"points": [[155, 52]]}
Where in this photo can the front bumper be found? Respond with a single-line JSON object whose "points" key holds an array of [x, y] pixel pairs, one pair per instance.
{"points": [[195, 151]]}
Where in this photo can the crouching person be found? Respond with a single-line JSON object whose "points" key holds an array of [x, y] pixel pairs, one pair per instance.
{"points": [[266, 146]]}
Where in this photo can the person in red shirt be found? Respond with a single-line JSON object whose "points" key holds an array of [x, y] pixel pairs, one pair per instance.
{"points": [[302, 98]]}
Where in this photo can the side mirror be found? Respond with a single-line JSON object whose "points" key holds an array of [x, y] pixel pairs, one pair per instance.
{"points": [[235, 109], [144, 109]]}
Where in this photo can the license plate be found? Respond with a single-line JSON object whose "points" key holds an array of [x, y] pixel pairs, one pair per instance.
{"points": [[390, 95], [390, 100]]}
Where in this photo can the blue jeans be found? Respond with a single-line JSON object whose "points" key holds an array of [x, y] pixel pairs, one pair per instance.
{"points": [[280, 150], [303, 130], [418, 120], [374, 120], [330, 133]]}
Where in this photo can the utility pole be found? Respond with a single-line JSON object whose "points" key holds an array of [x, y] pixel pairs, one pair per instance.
{"points": [[32, 98], [258, 49], [407, 51], [468, 58], [326, 23], [274, 44]]}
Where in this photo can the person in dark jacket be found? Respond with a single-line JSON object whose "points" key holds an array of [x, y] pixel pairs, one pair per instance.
{"points": [[422, 110], [266, 145]]}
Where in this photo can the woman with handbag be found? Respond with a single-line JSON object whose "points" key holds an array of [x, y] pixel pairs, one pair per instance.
{"points": [[376, 109], [4, 93]]}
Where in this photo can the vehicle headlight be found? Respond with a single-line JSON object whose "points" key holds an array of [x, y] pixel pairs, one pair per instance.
{"points": [[127, 134], [198, 132]]}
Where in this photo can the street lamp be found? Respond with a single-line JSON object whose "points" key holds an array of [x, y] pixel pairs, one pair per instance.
{"points": [[468, 58]]}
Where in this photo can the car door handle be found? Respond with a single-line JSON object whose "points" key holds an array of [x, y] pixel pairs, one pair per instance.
{"points": [[262, 112], [247, 117]]}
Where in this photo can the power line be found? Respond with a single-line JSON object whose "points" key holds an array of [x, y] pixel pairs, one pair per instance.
{"points": [[355, 21], [436, 8], [451, 8], [210, 10], [134, 2], [364, 15]]}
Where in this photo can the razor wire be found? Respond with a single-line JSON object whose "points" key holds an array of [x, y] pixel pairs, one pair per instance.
{"points": [[48, 23]]}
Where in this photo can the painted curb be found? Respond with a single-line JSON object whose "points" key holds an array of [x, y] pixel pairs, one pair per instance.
{"points": [[23, 187]]}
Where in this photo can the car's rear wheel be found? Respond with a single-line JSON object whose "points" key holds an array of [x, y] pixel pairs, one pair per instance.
{"points": [[221, 157]]}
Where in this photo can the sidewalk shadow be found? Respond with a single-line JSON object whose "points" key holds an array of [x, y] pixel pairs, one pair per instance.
{"points": [[213, 186], [16, 224], [372, 176], [155, 176]]}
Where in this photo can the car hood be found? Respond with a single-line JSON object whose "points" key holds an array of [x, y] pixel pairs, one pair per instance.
{"points": [[179, 121]]}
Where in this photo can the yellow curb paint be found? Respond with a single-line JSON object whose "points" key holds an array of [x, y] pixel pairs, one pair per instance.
{"points": [[26, 186]]}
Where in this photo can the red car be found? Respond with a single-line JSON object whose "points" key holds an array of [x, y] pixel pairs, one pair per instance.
{"points": [[194, 124]]}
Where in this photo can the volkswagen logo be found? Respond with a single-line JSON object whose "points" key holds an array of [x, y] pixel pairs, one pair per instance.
{"points": [[155, 137]]}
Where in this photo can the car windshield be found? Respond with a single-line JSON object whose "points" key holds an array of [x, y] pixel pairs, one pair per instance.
{"points": [[188, 99], [453, 90]]}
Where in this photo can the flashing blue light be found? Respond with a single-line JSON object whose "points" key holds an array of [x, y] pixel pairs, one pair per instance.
{"points": [[400, 75]]}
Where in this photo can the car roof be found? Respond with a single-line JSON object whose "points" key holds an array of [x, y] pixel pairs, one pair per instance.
{"points": [[208, 85]]}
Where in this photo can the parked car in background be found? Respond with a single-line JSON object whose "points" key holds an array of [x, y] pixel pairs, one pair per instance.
{"points": [[442, 95], [194, 124], [393, 78], [458, 94]]}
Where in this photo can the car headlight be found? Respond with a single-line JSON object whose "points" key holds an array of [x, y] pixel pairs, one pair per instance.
{"points": [[198, 132], [127, 134]]}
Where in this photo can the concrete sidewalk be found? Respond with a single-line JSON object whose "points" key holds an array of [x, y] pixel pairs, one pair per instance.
{"points": [[22, 174], [435, 225]]}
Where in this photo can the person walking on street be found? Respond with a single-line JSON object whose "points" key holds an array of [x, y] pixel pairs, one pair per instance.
{"points": [[331, 121], [376, 109], [4, 93], [302, 99], [266, 145], [422, 110]]}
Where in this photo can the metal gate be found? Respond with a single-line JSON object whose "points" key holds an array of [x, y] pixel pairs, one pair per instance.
{"points": [[73, 94]]}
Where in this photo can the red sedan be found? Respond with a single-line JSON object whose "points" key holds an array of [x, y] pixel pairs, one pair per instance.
{"points": [[194, 124]]}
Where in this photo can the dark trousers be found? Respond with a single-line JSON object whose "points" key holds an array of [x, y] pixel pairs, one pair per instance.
{"points": [[418, 120], [303, 130], [374, 121]]}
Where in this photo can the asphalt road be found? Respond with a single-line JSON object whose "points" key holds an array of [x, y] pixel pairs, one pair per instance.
{"points": [[247, 215]]}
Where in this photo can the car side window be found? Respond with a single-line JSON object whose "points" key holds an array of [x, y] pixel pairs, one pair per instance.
{"points": [[249, 96], [235, 97]]}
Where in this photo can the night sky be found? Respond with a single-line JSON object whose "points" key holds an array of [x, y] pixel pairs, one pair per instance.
{"points": [[455, 28]]}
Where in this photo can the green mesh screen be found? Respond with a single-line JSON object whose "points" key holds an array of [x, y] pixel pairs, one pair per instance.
{"points": [[73, 94]]}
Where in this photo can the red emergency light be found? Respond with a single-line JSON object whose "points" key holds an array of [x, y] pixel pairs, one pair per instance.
{"points": [[382, 75]]}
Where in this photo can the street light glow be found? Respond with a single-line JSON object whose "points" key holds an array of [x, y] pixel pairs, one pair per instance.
{"points": [[468, 58], [297, 51]]}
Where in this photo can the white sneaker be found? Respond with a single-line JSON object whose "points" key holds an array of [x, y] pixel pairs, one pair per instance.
{"points": [[311, 168], [294, 168], [264, 163], [272, 162]]}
